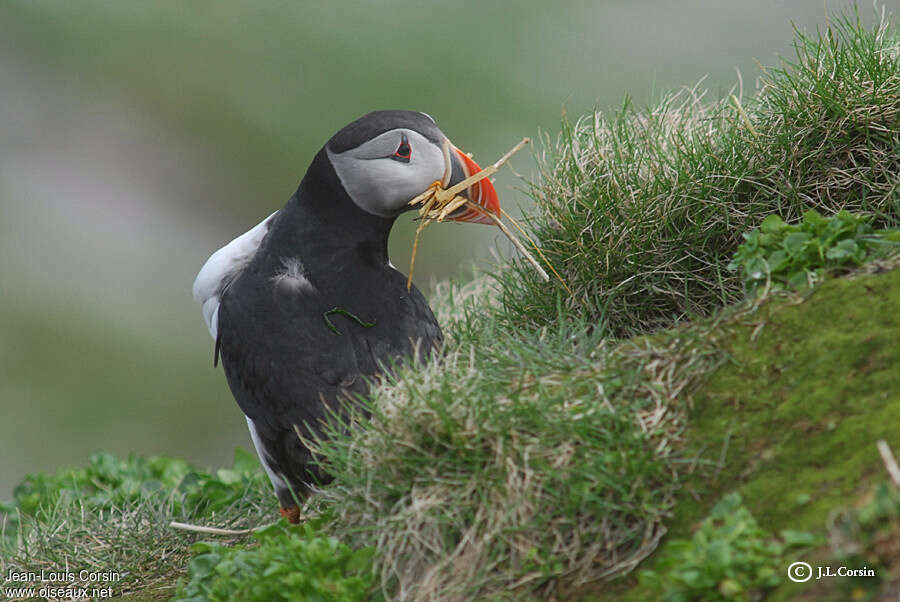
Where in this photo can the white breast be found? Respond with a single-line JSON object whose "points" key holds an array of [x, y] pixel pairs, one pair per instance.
{"points": [[221, 267]]}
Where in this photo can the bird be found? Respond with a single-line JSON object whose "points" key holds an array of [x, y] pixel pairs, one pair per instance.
{"points": [[306, 308]]}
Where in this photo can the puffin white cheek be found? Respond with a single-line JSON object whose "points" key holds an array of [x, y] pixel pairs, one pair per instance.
{"points": [[384, 186], [388, 186], [426, 167], [412, 179]]}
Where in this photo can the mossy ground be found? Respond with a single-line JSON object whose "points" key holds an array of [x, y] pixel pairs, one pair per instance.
{"points": [[811, 385]]}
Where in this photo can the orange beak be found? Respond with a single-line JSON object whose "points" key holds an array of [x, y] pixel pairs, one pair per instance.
{"points": [[482, 193]]}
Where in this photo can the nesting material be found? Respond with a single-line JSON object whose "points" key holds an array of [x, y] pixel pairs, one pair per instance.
{"points": [[438, 202]]}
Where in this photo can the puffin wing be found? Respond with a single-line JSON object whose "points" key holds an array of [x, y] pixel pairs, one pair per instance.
{"points": [[287, 370], [282, 361], [222, 267]]}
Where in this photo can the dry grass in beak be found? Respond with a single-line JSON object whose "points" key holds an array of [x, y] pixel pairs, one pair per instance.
{"points": [[438, 202]]}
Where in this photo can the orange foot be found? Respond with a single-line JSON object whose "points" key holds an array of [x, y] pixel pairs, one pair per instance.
{"points": [[292, 514]]}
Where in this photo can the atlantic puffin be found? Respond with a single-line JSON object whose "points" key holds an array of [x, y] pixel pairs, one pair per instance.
{"points": [[305, 306]]}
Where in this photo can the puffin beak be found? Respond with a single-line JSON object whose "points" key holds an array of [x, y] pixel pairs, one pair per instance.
{"points": [[482, 193]]}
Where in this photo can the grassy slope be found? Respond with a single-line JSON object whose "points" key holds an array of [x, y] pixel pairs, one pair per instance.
{"points": [[797, 410], [810, 386], [535, 456], [641, 212]]}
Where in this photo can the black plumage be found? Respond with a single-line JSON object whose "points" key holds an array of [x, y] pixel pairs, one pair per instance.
{"points": [[285, 366], [305, 308]]}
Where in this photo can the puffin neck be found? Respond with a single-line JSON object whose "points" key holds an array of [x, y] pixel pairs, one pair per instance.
{"points": [[322, 221]]}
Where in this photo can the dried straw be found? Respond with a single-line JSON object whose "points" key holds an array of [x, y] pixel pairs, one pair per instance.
{"points": [[438, 202]]}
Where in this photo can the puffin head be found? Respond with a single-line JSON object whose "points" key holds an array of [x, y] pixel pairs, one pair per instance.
{"points": [[386, 158]]}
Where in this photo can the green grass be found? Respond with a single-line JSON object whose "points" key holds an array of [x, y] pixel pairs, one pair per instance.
{"points": [[544, 452], [512, 461], [108, 481], [114, 514], [641, 210], [438, 464]]}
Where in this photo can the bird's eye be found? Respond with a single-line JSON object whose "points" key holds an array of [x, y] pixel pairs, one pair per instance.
{"points": [[403, 152]]}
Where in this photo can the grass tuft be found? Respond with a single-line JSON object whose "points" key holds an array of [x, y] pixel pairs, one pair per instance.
{"points": [[512, 462], [641, 210]]}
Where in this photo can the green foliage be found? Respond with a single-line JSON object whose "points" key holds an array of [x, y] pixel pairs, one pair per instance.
{"points": [[730, 557], [108, 481], [779, 255], [288, 563], [641, 210], [868, 535]]}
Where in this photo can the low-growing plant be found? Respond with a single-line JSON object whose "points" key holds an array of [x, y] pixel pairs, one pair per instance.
{"points": [[780, 255], [730, 557], [287, 562], [109, 481]]}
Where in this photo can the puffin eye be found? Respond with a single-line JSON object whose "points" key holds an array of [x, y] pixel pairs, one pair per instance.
{"points": [[403, 152]]}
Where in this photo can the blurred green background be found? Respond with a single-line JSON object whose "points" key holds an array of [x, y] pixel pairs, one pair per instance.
{"points": [[138, 137]]}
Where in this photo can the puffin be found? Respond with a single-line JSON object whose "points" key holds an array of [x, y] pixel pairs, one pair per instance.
{"points": [[306, 308]]}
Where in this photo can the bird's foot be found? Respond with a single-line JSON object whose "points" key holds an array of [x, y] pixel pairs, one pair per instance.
{"points": [[292, 514]]}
